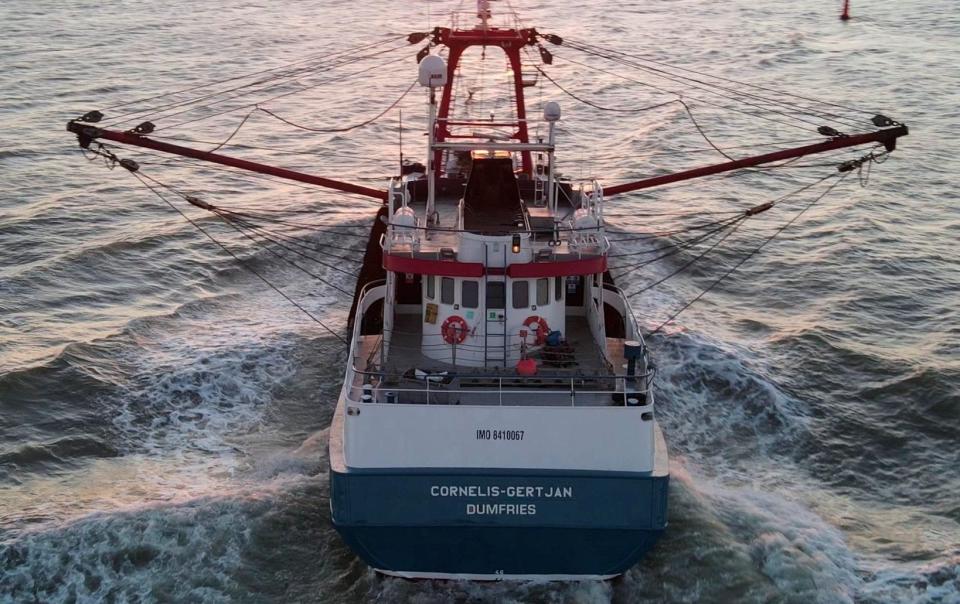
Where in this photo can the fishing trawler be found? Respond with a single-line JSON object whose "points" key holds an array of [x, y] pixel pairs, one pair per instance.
{"points": [[497, 418]]}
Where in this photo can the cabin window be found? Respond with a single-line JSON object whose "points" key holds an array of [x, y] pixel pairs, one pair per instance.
{"points": [[470, 294], [521, 294], [558, 288], [431, 287], [543, 292], [496, 294], [446, 290]]}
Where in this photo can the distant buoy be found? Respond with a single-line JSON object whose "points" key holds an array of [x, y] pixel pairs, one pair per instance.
{"points": [[845, 15]]}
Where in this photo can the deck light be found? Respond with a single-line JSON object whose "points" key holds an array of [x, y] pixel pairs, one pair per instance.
{"points": [[516, 244]]}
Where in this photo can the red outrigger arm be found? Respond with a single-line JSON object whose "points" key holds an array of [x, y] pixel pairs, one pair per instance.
{"points": [[888, 137], [86, 134]]}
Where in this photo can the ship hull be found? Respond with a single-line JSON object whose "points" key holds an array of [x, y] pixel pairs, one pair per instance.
{"points": [[496, 525]]}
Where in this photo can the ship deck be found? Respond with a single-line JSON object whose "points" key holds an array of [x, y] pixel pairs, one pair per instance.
{"points": [[443, 234], [586, 376]]}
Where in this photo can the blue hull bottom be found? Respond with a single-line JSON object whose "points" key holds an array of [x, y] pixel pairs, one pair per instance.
{"points": [[493, 552], [422, 523]]}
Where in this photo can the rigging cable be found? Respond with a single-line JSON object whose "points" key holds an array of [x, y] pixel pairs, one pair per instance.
{"points": [[736, 225], [596, 106], [708, 86], [292, 263], [273, 236], [306, 59], [339, 230], [700, 130], [271, 82], [729, 80], [681, 245], [688, 111], [242, 262], [749, 255], [237, 172], [699, 99], [229, 138], [695, 227], [346, 128], [213, 209], [271, 99]]}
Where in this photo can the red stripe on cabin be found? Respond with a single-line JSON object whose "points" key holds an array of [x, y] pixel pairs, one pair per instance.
{"points": [[584, 266], [452, 268], [422, 266]]}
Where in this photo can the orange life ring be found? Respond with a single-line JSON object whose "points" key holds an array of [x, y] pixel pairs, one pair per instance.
{"points": [[454, 329], [542, 329]]}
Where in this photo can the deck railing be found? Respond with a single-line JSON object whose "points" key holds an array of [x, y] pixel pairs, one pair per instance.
{"points": [[621, 390], [384, 387]]}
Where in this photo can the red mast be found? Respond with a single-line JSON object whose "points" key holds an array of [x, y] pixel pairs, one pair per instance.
{"points": [[511, 41]]}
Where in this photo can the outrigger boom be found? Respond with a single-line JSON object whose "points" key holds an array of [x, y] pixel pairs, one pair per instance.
{"points": [[87, 134], [888, 137]]}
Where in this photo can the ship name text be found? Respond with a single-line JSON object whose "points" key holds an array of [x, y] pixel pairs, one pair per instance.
{"points": [[539, 492], [493, 491]]}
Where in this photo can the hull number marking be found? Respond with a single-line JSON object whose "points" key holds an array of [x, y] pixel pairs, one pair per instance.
{"points": [[486, 434]]}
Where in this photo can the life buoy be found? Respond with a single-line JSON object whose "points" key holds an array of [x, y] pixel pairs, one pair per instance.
{"points": [[454, 330], [540, 331]]}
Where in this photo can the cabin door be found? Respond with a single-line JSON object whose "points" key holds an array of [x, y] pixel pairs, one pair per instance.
{"points": [[495, 320]]}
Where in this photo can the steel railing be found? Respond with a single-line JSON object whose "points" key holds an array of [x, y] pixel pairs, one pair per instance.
{"points": [[381, 382]]}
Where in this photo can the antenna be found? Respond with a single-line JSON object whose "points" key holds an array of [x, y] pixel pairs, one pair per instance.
{"points": [[483, 13], [432, 74], [551, 114]]}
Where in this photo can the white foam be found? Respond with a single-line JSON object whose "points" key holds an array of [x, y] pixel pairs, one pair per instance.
{"points": [[194, 399], [928, 583], [796, 549], [182, 553], [734, 431], [430, 592], [309, 459]]}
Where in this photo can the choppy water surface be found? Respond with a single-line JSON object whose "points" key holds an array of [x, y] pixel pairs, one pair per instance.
{"points": [[163, 416]]}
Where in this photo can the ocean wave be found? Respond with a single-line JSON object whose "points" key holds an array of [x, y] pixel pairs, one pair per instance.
{"points": [[155, 387], [55, 452], [932, 583], [740, 413], [178, 553]]}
